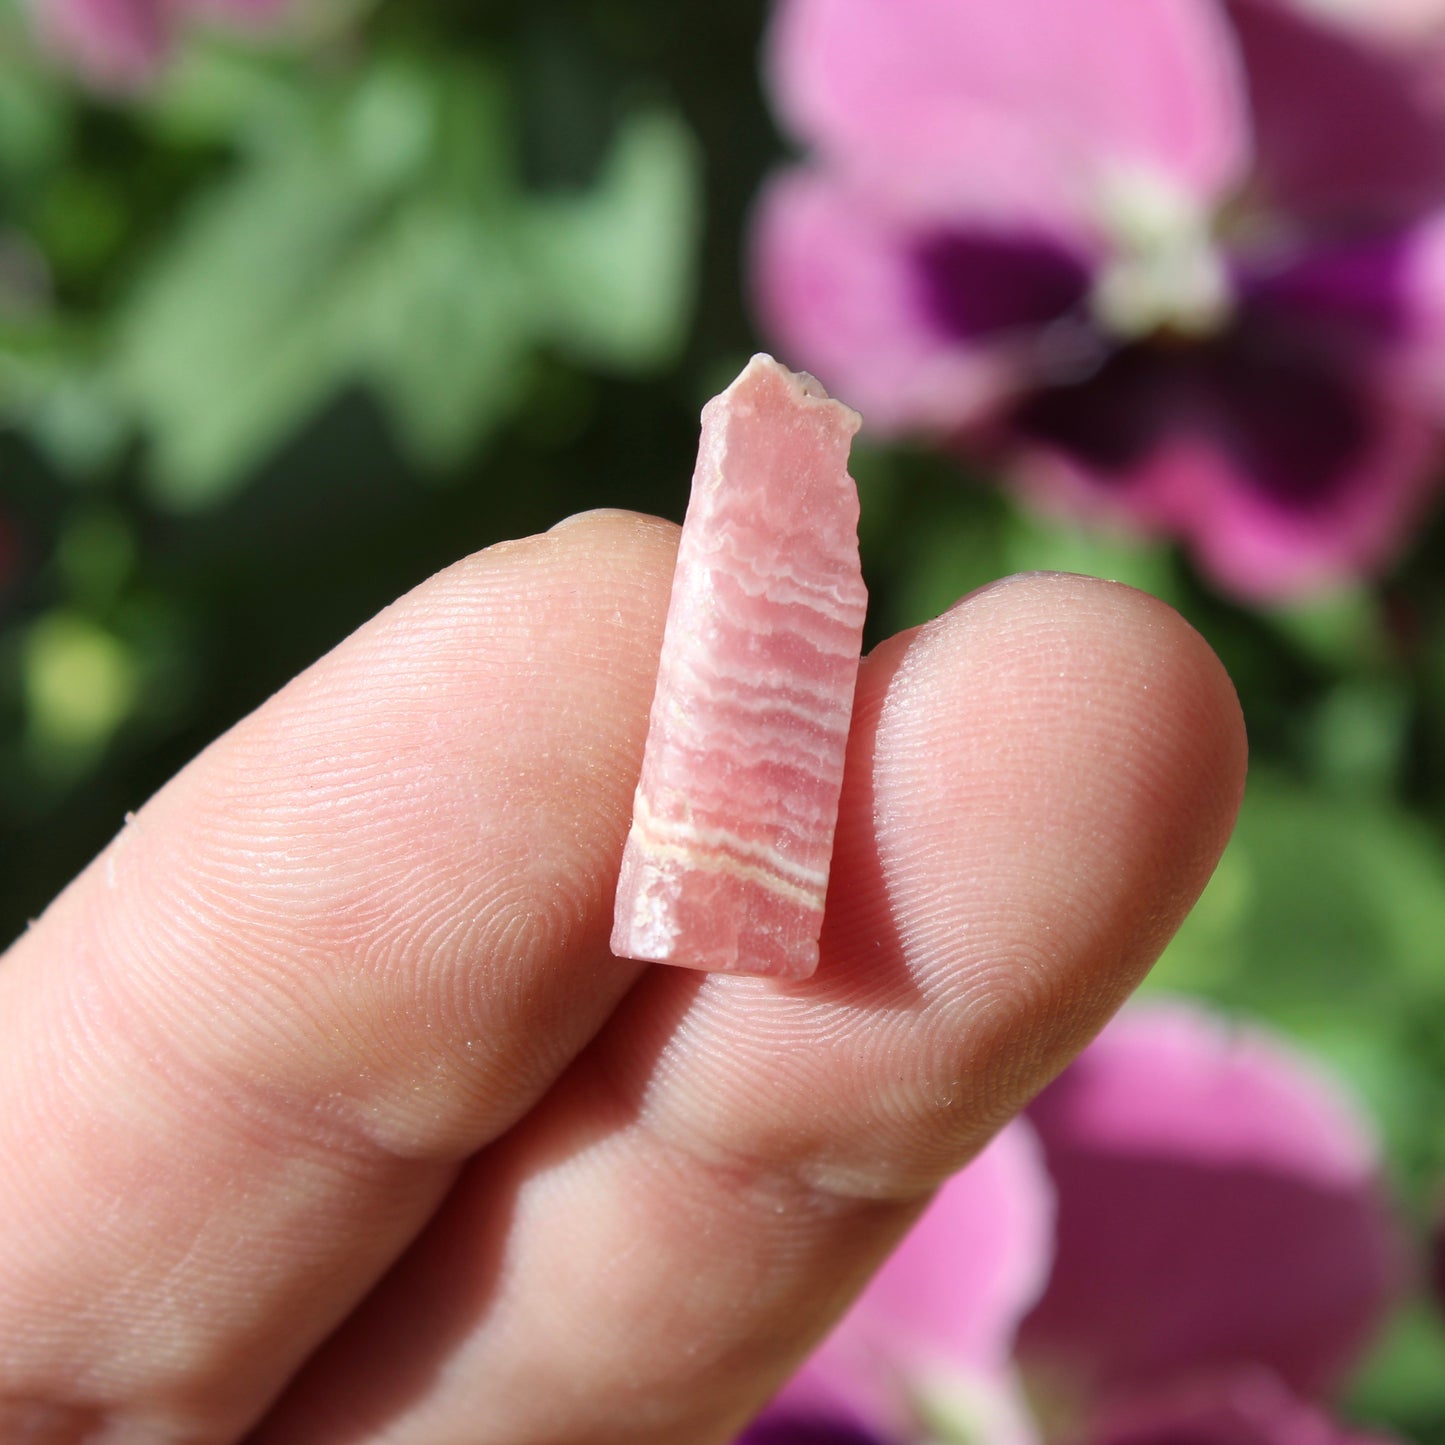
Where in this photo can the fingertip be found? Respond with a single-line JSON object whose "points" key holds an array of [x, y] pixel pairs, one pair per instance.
{"points": [[1125, 648], [602, 524], [1099, 661], [1045, 778]]}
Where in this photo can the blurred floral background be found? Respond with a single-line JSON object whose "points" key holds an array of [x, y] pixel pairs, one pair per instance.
{"points": [[302, 299]]}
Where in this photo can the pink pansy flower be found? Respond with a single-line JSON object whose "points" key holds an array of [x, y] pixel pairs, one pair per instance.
{"points": [[1180, 262], [930, 1342], [1219, 1205], [1199, 1250], [121, 44]]}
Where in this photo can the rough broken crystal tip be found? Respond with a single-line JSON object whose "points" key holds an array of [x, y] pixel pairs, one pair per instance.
{"points": [[726, 863]]}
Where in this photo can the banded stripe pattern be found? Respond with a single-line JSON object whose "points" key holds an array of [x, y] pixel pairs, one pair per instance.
{"points": [[726, 863]]}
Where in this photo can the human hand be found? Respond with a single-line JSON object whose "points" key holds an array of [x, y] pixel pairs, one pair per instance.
{"points": [[326, 1114]]}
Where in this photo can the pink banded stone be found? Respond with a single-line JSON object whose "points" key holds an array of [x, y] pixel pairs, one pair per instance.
{"points": [[726, 865]]}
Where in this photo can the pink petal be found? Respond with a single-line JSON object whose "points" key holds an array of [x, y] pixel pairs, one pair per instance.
{"points": [[959, 97], [116, 44], [1219, 1205], [121, 45], [973, 1264], [1345, 131], [834, 287], [1422, 305], [946, 1304], [1252, 545]]}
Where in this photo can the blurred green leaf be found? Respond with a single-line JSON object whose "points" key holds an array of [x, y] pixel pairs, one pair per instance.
{"points": [[50, 385], [958, 554], [1327, 918], [880, 491], [81, 218], [232, 337], [611, 267], [34, 117], [1036, 543], [1341, 629], [1360, 734], [222, 95], [1403, 1383], [96, 556], [80, 685], [1321, 904], [446, 329], [393, 117], [374, 235]]}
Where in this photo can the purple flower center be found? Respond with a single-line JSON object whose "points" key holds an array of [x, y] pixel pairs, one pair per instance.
{"points": [[789, 1428], [973, 284], [1282, 389], [1291, 417], [1353, 291]]}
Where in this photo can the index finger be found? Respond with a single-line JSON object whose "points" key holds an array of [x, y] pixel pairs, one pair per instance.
{"points": [[242, 1056]]}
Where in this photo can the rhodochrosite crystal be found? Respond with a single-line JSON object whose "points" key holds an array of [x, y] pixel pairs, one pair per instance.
{"points": [[726, 865]]}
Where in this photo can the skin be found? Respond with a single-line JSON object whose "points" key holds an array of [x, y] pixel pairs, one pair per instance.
{"points": [[326, 1115]]}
